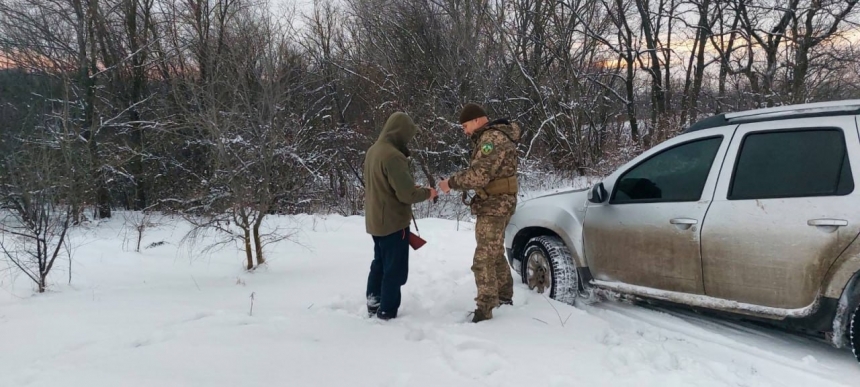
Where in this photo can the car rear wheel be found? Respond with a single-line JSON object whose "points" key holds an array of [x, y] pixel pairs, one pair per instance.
{"points": [[854, 332], [548, 269]]}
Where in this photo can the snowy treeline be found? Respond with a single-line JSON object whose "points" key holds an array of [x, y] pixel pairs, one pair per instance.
{"points": [[228, 110]]}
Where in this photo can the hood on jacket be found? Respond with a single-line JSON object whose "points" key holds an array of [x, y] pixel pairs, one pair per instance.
{"points": [[511, 130], [399, 130]]}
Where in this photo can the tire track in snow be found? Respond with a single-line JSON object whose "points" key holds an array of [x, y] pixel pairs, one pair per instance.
{"points": [[640, 323]]}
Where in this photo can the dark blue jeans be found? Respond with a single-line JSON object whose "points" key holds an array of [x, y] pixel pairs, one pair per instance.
{"points": [[388, 272]]}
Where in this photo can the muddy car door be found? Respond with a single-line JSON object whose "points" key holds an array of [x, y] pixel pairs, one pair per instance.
{"points": [[784, 209], [646, 232]]}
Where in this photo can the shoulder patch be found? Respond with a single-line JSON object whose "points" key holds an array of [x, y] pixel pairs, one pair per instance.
{"points": [[487, 148]]}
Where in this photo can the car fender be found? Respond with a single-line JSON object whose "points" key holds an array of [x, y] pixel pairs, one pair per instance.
{"points": [[562, 215], [842, 271], [841, 283]]}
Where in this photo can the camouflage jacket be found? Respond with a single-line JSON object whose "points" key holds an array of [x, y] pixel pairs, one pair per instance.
{"points": [[494, 157]]}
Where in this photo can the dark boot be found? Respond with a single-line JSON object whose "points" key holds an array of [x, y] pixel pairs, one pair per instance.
{"points": [[385, 316], [481, 315]]}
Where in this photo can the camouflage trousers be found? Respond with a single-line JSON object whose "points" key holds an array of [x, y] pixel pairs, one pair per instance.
{"points": [[492, 273]]}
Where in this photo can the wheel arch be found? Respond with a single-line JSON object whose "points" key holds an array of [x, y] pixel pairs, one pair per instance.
{"points": [[524, 235], [849, 300], [843, 271], [550, 219]]}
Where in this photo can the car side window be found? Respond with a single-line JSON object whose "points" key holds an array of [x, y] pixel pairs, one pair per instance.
{"points": [[677, 174], [786, 164]]}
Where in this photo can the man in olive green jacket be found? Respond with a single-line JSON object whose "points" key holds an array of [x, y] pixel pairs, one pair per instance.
{"points": [[390, 192]]}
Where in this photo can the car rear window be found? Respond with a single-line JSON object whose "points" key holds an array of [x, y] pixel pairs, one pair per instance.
{"points": [[786, 164]]}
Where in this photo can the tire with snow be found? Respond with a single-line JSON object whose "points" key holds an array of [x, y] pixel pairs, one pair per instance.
{"points": [[548, 269], [854, 332]]}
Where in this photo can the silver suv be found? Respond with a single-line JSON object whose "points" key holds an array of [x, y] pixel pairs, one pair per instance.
{"points": [[752, 213]]}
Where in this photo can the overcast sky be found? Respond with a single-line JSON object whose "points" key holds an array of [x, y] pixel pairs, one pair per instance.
{"points": [[280, 7]]}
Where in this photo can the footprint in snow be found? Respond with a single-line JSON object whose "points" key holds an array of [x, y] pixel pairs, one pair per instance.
{"points": [[198, 317], [79, 346], [416, 335], [609, 338], [155, 338], [652, 336], [469, 357], [140, 343], [342, 304], [636, 354]]}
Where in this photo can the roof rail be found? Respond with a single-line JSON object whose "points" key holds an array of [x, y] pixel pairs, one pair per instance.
{"points": [[818, 109]]}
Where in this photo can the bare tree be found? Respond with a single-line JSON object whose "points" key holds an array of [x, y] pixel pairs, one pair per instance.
{"points": [[696, 73], [261, 153], [38, 189], [814, 25], [650, 30]]}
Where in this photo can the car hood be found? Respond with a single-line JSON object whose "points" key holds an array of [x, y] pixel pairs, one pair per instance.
{"points": [[573, 202], [564, 192], [566, 196]]}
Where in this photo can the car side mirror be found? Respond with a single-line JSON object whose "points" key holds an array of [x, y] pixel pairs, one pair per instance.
{"points": [[598, 194]]}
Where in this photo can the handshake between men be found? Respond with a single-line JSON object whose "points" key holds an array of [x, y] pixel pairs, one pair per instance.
{"points": [[390, 192]]}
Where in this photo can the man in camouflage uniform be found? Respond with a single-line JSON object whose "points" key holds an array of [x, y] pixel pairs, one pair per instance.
{"points": [[493, 176]]}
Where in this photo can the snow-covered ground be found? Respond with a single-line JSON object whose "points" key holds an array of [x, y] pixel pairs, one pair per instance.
{"points": [[165, 317]]}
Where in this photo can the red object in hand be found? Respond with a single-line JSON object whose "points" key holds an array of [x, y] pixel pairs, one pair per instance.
{"points": [[415, 241]]}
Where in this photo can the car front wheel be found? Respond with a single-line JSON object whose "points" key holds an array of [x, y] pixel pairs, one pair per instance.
{"points": [[548, 269]]}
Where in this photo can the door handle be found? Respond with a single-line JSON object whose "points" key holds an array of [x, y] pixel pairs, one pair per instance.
{"points": [[683, 224], [827, 222], [684, 221]]}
